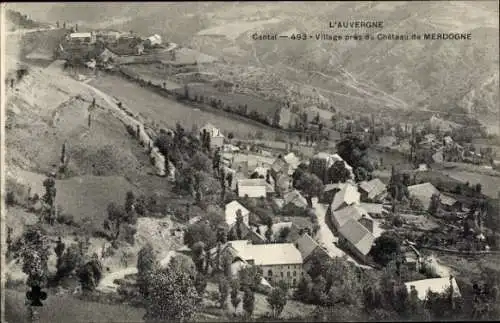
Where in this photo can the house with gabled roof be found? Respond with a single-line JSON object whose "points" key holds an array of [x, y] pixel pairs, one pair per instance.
{"points": [[231, 211], [352, 212], [357, 238], [252, 187], [372, 191], [308, 247], [216, 136], [346, 196], [435, 285], [278, 261], [423, 192]]}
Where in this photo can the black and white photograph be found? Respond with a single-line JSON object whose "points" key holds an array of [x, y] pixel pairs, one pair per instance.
{"points": [[240, 161]]}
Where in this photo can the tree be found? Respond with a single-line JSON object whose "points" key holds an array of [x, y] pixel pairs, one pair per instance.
{"points": [[338, 173], [385, 248], [200, 284], [235, 298], [223, 285], [248, 301], [90, 274], [250, 277], [116, 217], [70, 260], [35, 254], [354, 152], [361, 174], [269, 234], [129, 202], [239, 222], [434, 206], [311, 186], [172, 296], [318, 295], [198, 250], [478, 188], [146, 265], [304, 287], [277, 301], [200, 231]]}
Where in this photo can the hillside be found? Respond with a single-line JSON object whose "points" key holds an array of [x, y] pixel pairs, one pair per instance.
{"points": [[431, 75]]}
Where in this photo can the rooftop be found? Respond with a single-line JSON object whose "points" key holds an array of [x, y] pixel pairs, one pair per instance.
{"points": [[358, 236], [352, 212], [423, 192], [268, 254], [348, 195], [231, 209], [296, 198], [436, 285], [306, 245], [374, 187]]}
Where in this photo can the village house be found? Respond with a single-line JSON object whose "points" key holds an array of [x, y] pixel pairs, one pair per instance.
{"points": [[309, 247], [450, 204], [291, 202], [87, 38], [355, 237], [108, 36], [376, 210], [372, 191], [436, 285], [247, 232], [347, 195], [139, 49], [278, 261], [252, 187], [321, 162], [153, 40], [423, 192], [231, 211], [411, 257], [216, 136]]}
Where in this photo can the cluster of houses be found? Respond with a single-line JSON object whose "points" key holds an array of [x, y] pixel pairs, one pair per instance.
{"points": [[353, 210]]}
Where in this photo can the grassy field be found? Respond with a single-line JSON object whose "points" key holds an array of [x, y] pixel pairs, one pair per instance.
{"points": [[490, 184], [168, 112], [67, 308]]}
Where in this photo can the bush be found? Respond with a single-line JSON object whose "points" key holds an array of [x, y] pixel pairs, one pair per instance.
{"points": [[67, 219], [10, 199], [130, 130]]}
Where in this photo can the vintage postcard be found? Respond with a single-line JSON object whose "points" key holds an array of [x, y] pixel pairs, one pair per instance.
{"points": [[250, 161]]}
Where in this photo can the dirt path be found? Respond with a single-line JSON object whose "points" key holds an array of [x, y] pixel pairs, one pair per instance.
{"points": [[107, 285]]}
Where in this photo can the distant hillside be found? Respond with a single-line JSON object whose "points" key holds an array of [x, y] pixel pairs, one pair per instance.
{"points": [[17, 20], [461, 76]]}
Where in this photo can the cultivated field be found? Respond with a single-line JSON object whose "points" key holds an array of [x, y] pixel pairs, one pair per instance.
{"points": [[490, 184], [168, 112]]}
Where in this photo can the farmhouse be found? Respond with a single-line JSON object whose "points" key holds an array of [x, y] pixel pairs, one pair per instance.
{"points": [[321, 162], [278, 261], [252, 187], [347, 195], [231, 211], [423, 192], [82, 38], [436, 285], [216, 136], [357, 238], [374, 190], [153, 40], [344, 215], [307, 247], [375, 210]]}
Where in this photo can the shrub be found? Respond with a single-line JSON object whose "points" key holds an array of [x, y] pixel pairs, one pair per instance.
{"points": [[67, 219], [10, 199], [130, 130]]}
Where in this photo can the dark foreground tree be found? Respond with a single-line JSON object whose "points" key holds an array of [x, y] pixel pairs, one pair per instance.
{"points": [[172, 296], [146, 265]]}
